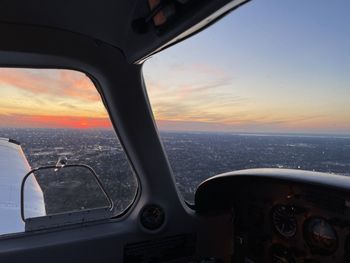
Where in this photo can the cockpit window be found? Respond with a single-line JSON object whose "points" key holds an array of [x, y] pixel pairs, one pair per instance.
{"points": [[58, 115], [267, 86]]}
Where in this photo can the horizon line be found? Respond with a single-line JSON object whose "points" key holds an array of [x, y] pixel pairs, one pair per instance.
{"points": [[277, 133]]}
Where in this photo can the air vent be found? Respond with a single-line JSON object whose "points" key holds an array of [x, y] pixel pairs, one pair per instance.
{"points": [[152, 217]]}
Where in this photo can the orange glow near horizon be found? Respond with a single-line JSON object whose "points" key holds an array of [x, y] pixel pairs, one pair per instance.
{"points": [[49, 98], [49, 121], [70, 122]]}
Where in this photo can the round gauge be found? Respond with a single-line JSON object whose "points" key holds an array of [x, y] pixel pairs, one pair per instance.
{"points": [[152, 217], [320, 236], [284, 221]]}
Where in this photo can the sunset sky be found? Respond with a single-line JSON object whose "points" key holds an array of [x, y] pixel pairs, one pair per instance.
{"points": [[270, 66], [49, 98]]}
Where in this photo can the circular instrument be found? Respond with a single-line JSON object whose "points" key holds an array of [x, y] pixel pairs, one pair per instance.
{"points": [[284, 221], [320, 236]]}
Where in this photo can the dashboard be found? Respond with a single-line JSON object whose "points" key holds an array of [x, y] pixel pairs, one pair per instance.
{"points": [[283, 218], [291, 223]]}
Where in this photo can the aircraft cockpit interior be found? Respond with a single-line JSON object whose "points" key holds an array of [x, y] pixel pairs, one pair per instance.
{"points": [[175, 131]]}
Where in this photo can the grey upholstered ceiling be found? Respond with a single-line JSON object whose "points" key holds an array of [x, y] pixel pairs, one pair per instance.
{"points": [[109, 21]]}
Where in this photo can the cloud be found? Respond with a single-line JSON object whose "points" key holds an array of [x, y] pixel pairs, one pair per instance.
{"points": [[195, 68], [214, 106], [290, 121], [53, 82], [206, 101], [68, 105], [299, 125], [209, 102], [208, 69]]}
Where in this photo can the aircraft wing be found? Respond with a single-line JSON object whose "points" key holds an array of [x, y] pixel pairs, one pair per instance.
{"points": [[13, 167]]}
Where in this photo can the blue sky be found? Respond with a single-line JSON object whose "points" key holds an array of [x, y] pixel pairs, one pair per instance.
{"points": [[269, 66]]}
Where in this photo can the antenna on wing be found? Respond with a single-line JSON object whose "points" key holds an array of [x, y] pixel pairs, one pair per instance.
{"points": [[62, 161]]}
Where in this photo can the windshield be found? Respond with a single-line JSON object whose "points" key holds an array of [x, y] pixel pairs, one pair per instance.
{"points": [[267, 86]]}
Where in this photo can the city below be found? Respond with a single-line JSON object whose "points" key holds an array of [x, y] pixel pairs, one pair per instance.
{"points": [[194, 157]]}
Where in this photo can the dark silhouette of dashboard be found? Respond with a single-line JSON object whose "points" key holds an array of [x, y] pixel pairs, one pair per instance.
{"points": [[282, 215]]}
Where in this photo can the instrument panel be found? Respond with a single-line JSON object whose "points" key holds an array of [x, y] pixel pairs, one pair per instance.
{"points": [[291, 223]]}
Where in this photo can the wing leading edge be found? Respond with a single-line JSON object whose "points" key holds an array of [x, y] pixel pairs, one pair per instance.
{"points": [[13, 167]]}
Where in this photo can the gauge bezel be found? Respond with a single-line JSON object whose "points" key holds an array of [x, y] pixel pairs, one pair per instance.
{"points": [[315, 249], [288, 236]]}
